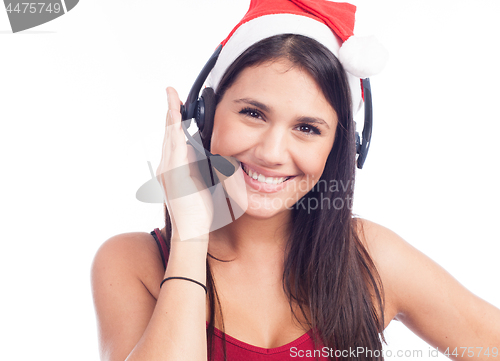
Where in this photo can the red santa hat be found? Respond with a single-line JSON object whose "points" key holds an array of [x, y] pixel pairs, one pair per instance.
{"points": [[329, 23]]}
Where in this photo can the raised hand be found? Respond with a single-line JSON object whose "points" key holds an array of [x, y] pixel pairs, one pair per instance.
{"points": [[187, 197]]}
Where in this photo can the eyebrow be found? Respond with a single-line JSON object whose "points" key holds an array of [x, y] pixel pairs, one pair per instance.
{"points": [[264, 107], [255, 103], [313, 120]]}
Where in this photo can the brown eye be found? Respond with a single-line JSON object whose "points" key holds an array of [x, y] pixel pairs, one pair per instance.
{"points": [[253, 113], [308, 129]]}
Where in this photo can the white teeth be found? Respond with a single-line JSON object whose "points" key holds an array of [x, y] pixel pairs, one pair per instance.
{"points": [[261, 178]]}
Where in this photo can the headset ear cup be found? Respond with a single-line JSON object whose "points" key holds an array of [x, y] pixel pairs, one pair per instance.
{"points": [[208, 96]]}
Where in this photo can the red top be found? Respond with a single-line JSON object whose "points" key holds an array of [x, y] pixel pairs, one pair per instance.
{"points": [[301, 348]]}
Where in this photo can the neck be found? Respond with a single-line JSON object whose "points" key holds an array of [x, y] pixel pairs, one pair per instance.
{"points": [[250, 238]]}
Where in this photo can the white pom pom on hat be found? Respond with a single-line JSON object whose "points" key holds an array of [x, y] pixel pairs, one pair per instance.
{"points": [[363, 56], [327, 22]]}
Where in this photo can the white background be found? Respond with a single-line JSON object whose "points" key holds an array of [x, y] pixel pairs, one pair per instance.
{"points": [[81, 96]]}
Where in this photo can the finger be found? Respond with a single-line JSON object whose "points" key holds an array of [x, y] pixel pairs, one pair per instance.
{"points": [[174, 164], [174, 129], [175, 147], [164, 150], [174, 136], [174, 104], [173, 114]]}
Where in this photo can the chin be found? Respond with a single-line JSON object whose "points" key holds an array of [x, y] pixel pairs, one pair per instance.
{"points": [[264, 214], [265, 207]]}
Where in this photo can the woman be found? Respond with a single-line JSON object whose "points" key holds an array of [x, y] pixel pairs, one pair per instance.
{"points": [[283, 280]]}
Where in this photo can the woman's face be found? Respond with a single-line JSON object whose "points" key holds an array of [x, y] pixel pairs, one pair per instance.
{"points": [[276, 121]]}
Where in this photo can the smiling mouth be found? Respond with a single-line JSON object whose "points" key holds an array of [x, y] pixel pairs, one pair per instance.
{"points": [[262, 178]]}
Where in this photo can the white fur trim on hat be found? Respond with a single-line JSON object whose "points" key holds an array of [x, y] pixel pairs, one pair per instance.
{"points": [[266, 26]]}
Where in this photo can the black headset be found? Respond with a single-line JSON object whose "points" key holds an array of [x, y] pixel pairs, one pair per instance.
{"points": [[202, 109]]}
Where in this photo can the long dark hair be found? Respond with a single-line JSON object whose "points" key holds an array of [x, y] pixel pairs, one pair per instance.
{"points": [[327, 269]]}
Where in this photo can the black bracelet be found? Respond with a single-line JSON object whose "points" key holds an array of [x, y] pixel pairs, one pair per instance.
{"points": [[184, 278]]}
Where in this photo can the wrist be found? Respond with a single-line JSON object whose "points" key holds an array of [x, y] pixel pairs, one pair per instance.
{"points": [[177, 238], [193, 249], [184, 262]]}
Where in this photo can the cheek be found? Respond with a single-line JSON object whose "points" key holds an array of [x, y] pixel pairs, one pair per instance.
{"points": [[229, 137], [312, 169], [311, 158], [311, 162]]}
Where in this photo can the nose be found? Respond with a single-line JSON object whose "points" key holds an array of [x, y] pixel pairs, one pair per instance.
{"points": [[272, 147]]}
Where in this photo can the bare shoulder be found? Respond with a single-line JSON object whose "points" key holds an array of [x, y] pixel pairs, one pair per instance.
{"points": [[126, 275], [389, 252], [425, 297], [386, 248], [402, 267], [398, 263], [132, 255], [378, 239]]}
